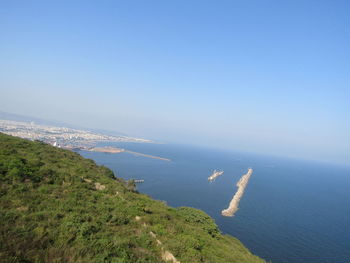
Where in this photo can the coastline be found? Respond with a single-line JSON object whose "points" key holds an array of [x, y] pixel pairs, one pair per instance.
{"points": [[144, 221]]}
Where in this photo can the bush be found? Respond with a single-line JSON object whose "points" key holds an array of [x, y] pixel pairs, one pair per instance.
{"points": [[51, 212]]}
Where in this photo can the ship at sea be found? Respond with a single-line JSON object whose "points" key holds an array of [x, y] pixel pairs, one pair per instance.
{"points": [[215, 174]]}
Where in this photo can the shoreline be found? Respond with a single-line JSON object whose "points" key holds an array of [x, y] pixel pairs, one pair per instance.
{"points": [[241, 184]]}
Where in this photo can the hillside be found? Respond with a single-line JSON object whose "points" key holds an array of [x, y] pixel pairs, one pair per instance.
{"points": [[57, 206]]}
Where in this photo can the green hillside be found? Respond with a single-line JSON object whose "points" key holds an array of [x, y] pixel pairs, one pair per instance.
{"points": [[57, 206]]}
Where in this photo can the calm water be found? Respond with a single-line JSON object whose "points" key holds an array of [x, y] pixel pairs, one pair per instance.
{"points": [[291, 212]]}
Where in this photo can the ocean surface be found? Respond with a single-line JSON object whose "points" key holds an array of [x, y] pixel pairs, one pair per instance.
{"points": [[292, 211]]}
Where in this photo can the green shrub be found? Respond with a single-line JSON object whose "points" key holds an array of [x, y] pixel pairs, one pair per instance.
{"points": [[52, 212]]}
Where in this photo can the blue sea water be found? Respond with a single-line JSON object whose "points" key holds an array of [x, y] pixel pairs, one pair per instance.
{"points": [[292, 211]]}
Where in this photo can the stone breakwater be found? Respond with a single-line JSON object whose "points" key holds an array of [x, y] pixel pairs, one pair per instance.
{"points": [[109, 149], [242, 184], [215, 174]]}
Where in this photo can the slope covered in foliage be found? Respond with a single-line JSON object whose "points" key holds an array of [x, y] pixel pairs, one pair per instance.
{"points": [[57, 206]]}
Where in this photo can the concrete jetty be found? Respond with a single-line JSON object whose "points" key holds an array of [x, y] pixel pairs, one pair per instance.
{"points": [[241, 184]]}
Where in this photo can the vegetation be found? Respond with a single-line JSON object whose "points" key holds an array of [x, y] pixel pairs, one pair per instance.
{"points": [[57, 206]]}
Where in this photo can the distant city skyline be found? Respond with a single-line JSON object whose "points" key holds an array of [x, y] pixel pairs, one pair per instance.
{"points": [[260, 76]]}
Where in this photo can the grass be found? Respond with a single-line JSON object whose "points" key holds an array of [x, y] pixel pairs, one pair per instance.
{"points": [[52, 211]]}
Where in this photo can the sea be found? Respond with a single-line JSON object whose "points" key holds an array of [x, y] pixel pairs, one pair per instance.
{"points": [[292, 211]]}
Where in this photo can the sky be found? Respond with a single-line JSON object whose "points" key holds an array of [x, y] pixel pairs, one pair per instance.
{"points": [[259, 76]]}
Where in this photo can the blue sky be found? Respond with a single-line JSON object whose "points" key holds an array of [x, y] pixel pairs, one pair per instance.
{"points": [[260, 76]]}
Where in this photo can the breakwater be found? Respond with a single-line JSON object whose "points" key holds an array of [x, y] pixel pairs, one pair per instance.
{"points": [[147, 155], [110, 149], [241, 184], [106, 149], [215, 174]]}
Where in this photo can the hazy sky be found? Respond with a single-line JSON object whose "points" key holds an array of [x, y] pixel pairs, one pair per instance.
{"points": [[262, 76]]}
